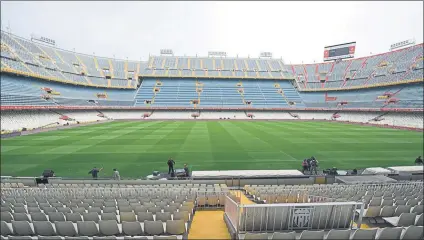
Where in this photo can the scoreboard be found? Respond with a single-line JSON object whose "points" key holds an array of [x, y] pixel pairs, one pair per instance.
{"points": [[340, 51]]}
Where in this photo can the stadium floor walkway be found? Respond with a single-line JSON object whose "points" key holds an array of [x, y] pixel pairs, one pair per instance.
{"points": [[208, 224]]}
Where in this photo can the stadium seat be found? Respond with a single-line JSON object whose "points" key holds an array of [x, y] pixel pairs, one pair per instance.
{"points": [[388, 233], [153, 228], [404, 220], [44, 228], [108, 227], [87, 228], [364, 234], [22, 228], [412, 232]]}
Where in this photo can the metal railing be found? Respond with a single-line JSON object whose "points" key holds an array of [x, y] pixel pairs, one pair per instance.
{"points": [[293, 216]]}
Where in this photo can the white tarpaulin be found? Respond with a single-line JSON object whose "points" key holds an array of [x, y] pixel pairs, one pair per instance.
{"points": [[246, 173], [376, 171], [407, 169]]}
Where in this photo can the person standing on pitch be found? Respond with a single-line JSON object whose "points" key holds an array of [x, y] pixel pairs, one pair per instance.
{"points": [[94, 172], [186, 170], [314, 165], [418, 161], [116, 175], [171, 164]]}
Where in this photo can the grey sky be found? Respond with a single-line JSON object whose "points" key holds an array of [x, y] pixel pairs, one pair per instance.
{"points": [[295, 31]]}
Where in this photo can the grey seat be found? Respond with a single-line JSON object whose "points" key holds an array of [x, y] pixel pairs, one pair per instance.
{"points": [[388, 233], [163, 216], [306, 234], [19, 238], [170, 209], [20, 217], [34, 204], [417, 209], [6, 216], [402, 209], [44, 228], [109, 216], [73, 217], [20, 210], [5, 229], [412, 233], [181, 215], [49, 209], [154, 210], [66, 229], [138, 209], [33, 209], [143, 216], [87, 228], [404, 220], [108, 228], [338, 234], [78, 210], [56, 216], [284, 236], [165, 238], [64, 209], [260, 236], [95, 209], [38, 216], [419, 220], [176, 227], [91, 216], [127, 217], [132, 228], [56, 205], [387, 211], [22, 228], [109, 210], [5, 209], [126, 208], [153, 228], [364, 234]]}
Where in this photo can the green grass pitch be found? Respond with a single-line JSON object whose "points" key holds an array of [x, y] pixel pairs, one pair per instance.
{"points": [[137, 148]]}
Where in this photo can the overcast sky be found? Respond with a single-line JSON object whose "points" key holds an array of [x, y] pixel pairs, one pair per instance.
{"points": [[295, 31]]}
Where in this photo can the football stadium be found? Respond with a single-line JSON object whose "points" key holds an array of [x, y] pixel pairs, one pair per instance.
{"points": [[212, 145]]}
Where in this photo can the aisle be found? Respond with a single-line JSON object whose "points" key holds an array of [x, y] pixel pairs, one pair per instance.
{"points": [[208, 224]]}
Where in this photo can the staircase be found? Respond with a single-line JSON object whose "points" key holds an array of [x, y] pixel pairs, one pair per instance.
{"points": [[241, 93], [96, 63], [281, 91]]}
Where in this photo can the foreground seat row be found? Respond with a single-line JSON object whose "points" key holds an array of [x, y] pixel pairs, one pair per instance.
{"points": [[388, 233], [91, 229]]}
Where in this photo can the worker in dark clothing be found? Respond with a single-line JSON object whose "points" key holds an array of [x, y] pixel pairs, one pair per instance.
{"points": [[314, 165], [309, 164], [304, 166], [419, 161], [187, 173], [94, 172], [171, 164]]}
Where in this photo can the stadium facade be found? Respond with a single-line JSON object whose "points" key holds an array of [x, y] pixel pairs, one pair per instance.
{"points": [[38, 76]]}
